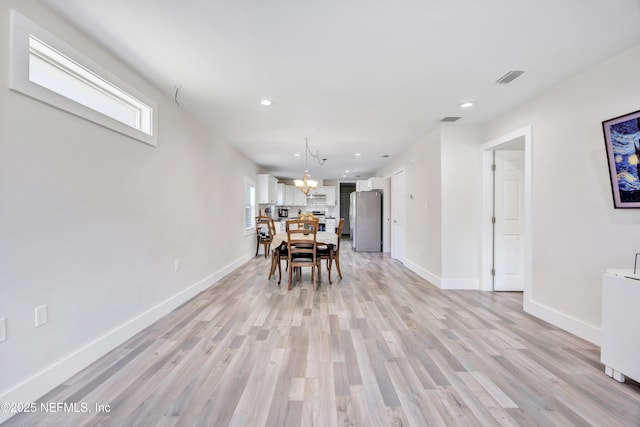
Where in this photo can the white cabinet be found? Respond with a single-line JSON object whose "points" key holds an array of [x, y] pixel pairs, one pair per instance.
{"points": [[299, 198], [373, 183], [330, 225], [282, 195], [620, 351], [293, 196], [361, 185], [267, 189], [288, 195], [330, 192]]}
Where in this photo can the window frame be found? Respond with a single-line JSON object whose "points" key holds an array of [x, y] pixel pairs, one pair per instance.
{"points": [[249, 185], [22, 29]]}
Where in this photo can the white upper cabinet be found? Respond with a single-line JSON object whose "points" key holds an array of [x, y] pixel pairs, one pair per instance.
{"points": [[330, 192], [267, 189], [288, 195], [282, 195], [373, 183], [299, 198], [293, 197]]}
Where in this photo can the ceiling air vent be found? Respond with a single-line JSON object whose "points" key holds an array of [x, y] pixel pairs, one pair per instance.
{"points": [[449, 119], [510, 76]]}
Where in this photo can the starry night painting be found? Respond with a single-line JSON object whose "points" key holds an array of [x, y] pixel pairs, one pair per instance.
{"points": [[622, 139]]}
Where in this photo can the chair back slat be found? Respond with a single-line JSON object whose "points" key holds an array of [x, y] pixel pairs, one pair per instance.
{"points": [[301, 238]]}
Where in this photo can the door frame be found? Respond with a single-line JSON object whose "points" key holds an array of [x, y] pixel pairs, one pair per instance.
{"points": [[486, 280], [386, 215], [394, 199]]}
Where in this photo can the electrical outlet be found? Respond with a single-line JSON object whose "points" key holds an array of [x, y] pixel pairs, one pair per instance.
{"points": [[41, 315], [3, 329], [176, 264]]}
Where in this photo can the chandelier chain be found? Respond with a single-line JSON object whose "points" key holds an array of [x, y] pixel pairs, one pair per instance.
{"points": [[316, 155]]}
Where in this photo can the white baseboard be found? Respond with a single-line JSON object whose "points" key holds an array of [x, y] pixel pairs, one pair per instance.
{"points": [[422, 272], [441, 283], [460, 284], [53, 375], [570, 324]]}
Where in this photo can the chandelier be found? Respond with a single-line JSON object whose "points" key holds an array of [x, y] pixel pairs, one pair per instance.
{"points": [[306, 184]]}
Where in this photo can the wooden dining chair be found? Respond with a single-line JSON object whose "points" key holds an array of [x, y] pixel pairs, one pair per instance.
{"points": [[301, 247], [265, 230], [282, 252], [324, 252]]}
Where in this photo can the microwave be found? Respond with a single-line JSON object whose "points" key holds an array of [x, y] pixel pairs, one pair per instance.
{"points": [[283, 213]]}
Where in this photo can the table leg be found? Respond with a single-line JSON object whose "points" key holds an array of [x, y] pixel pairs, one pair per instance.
{"points": [[330, 262], [275, 257]]}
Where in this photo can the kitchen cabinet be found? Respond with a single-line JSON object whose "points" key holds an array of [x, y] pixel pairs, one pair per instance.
{"points": [[267, 189], [330, 225], [373, 183], [288, 195], [330, 192], [299, 198], [293, 197], [282, 195]]}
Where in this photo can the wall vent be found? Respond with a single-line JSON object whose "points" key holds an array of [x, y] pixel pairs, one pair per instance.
{"points": [[510, 76], [449, 119]]}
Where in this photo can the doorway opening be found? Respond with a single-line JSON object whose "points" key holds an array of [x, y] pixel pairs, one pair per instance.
{"points": [[346, 188], [506, 213]]}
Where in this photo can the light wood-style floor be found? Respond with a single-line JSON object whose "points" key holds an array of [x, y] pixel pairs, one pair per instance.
{"points": [[382, 347]]}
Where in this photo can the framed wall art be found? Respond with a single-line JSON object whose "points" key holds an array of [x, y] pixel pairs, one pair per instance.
{"points": [[622, 140]]}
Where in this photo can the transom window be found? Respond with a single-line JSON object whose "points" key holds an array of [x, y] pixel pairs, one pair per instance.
{"points": [[49, 70]]}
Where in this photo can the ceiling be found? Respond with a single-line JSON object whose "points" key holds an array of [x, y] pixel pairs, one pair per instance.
{"points": [[352, 76]]}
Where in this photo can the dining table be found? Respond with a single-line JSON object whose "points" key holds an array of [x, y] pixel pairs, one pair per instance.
{"points": [[328, 238]]}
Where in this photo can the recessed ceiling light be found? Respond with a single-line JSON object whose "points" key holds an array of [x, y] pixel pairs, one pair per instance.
{"points": [[358, 154], [344, 176], [346, 171], [467, 104], [296, 155], [384, 156], [266, 102]]}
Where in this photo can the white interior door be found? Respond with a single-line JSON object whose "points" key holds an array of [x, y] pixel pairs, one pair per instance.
{"points": [[509, 221], [397, 216]]}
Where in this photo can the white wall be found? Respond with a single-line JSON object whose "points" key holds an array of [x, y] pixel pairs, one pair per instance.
{"points": [[461, 204], [423, 205], [91, 223], [577, 233]]}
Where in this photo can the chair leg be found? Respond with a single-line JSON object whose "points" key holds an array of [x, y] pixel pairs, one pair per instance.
{"points": [[257, 245], [272, 270], [279, 270], [337, 258], [290, 277], [313, 277]]}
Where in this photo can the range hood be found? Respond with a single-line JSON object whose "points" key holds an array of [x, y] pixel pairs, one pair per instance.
{"points": [[317, 196]]}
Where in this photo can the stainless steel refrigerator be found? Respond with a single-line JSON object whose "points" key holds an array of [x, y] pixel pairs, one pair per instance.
{"points": [[365, 219]]}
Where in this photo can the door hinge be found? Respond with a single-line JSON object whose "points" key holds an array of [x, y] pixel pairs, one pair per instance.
{"points": [[493, 271], [493, 167], [493, 220]]}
